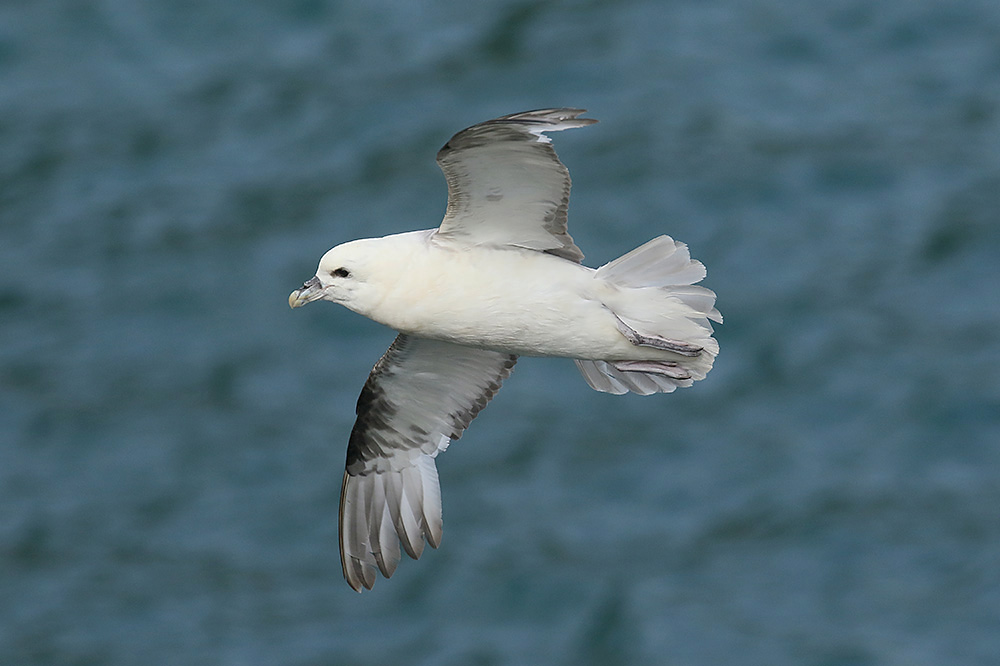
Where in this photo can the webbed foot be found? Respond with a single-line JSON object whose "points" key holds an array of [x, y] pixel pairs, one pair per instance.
{"points": [[657, 342], [665, 368]]}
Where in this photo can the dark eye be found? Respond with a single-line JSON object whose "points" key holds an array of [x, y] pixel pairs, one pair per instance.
{"points": [[341, 273]]}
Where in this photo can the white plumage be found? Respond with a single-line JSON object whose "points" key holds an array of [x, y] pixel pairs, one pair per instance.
{"points": [[500, 278]]}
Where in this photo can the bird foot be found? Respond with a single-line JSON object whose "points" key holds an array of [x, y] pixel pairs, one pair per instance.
{"points": [[665, 368], [657, 342]]}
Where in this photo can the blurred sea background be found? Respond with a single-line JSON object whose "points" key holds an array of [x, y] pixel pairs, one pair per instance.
{"points": [[172, 436]]}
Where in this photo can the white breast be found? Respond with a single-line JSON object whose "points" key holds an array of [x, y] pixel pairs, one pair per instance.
{"points": [[521, 302]]}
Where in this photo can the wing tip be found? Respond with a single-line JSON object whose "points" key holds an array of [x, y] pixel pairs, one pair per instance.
{"points": [[547, 120], [357, 575], [408, 507], [390, 496], [537, 122], [556, 115]]}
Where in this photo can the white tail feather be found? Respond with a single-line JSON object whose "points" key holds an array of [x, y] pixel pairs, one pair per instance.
{"points": [[658, 263], [659, 306]]}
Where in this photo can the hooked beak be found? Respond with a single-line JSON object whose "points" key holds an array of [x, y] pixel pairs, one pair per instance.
{"points": [[310, 291]]}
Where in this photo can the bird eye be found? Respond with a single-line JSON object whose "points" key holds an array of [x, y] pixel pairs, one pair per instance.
{"points": [[341, 273]]}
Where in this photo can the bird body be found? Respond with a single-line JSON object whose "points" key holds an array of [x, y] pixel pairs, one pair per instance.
{"points": [[507, 299], [500, 278], [516, 301]]}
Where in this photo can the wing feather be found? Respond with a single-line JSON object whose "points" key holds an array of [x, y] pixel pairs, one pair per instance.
{"points": [[506, 185], [355, 553], [433, 525], [382, 535], [419, 396]]}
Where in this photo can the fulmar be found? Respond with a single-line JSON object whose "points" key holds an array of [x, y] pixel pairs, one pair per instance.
{"points": [[500, 278]]}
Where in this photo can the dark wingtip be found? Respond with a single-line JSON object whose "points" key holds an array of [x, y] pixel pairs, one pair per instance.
{"points": [[552, 116]]}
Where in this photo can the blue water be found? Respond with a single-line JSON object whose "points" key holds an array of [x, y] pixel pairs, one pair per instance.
{"points": [[172, 436]]}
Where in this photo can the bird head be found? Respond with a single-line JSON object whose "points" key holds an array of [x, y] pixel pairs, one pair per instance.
{"points": [[355, 274]]}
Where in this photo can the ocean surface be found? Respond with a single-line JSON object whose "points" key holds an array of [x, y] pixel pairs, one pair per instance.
{"points": [[172, 436]]}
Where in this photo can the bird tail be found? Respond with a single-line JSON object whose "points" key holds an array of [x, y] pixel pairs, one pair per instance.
{"points": [[658, 305]]}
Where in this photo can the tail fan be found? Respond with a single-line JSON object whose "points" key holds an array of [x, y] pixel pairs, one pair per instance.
{"points": [[659, 306]]}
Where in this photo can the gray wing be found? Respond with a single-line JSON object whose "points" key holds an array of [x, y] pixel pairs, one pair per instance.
{"points": [[420, 395], [506, 185]]}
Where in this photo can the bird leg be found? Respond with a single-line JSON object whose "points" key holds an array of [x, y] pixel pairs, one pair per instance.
{"points": [[665, 368], [655, 341]]}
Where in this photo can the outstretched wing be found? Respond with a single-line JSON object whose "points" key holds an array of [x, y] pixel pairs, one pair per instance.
{"points": [[506, 185], [420, 395]]}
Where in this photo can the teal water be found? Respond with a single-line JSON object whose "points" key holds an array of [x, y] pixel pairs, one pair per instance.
{"points": [[172, 436]]}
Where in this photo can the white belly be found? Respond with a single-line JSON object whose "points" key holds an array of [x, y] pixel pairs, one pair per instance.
{"points": [[525, 303]]}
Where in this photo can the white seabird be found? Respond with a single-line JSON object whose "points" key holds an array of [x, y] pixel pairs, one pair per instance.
{"points": [[500, 278]]}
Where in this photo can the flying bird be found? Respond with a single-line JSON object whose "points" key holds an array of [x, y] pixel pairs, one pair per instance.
{"points": [[500, 278]]}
